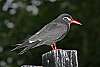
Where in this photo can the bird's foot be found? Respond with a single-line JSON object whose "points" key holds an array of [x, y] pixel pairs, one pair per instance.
{"points": [[53, 46]]}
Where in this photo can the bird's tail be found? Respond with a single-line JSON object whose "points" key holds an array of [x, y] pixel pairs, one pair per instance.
{"points": [[24, 44], [18, 47], [27, 46]]}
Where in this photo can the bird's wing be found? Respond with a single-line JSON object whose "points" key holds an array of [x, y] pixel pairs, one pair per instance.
{"points": [[26, 44], [51, 31], [43, 31], [35, 38]]}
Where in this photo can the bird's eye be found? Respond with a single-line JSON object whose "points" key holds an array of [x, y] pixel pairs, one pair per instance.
{"points": [[66, 19]]}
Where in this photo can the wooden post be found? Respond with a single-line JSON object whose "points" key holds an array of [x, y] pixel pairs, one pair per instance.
{"points": [[30, 66], [60, 58]]}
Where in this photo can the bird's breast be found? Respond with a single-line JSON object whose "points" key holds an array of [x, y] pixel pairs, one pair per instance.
{"points": [[58, 31]]}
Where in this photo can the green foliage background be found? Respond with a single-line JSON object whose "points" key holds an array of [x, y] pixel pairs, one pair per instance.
{"points": [[85, 38]]}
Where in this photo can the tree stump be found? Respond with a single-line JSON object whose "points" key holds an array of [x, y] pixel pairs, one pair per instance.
{"points": [[60, 58]]}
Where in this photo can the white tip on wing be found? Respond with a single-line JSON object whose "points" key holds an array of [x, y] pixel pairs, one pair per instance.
{"points": [[31, 41], [18, 44]]}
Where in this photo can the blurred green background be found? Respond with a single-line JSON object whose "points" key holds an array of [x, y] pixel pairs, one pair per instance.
{"points": [[19, 19]]}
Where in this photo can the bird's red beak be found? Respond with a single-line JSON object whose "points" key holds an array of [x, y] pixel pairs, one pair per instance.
{"points": [[76, 22]]}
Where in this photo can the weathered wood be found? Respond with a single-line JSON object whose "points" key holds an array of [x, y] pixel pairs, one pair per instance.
{"points": [[30, 66], [60, 58]]}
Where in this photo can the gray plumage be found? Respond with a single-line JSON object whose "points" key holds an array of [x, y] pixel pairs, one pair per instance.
{"points": [[54, 31]]}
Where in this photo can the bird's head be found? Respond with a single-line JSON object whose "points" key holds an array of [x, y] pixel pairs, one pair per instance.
{"points": [[67, 19]]}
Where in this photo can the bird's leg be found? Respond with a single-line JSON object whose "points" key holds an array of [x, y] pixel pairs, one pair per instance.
{"points": [[53, 45]]}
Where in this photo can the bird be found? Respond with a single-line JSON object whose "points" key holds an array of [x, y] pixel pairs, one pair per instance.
{"points": [[50, 34]]}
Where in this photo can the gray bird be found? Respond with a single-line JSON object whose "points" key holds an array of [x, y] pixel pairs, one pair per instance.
{"points": [[49, 34]]}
